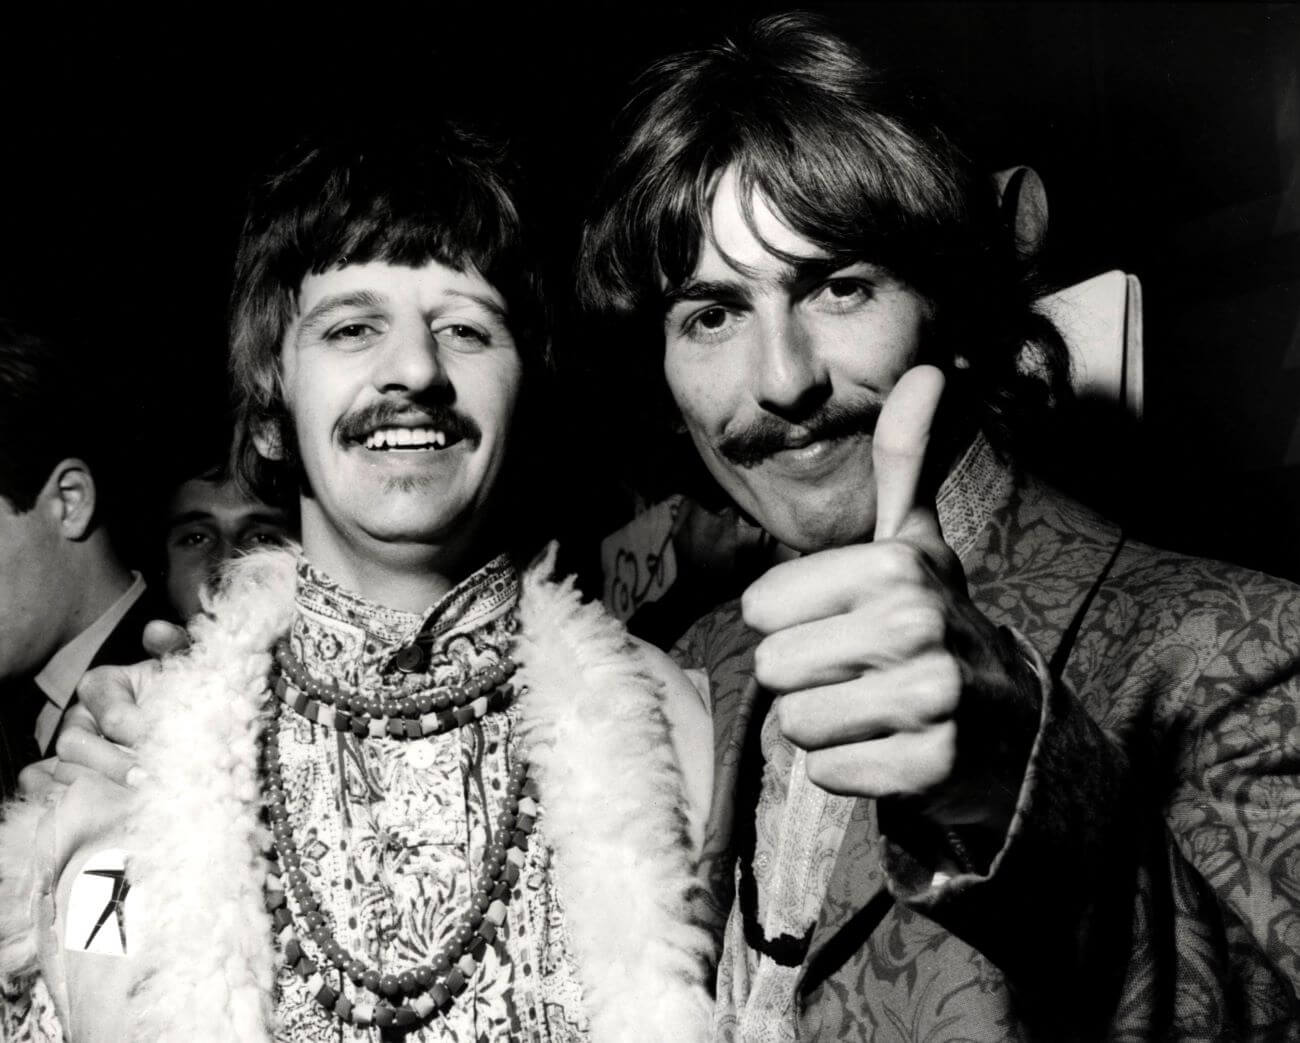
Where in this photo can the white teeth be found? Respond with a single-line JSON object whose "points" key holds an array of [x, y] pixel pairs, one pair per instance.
{"points": [[391, 437]]}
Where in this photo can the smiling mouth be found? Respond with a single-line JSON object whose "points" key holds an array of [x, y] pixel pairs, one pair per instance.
{"points": [[409, 439]]}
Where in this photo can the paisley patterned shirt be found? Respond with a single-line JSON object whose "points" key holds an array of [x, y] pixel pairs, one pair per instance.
{"points": [[392, 832], [1149, 884], [800, 828]]}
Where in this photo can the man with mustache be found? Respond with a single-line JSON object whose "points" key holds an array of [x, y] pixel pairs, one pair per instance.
{"points": [[395, 786], [986, 769]]}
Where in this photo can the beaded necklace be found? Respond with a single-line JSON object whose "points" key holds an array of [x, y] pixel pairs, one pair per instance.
{"points": [[412, 996]]}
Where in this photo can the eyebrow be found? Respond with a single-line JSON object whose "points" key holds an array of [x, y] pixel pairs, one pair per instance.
{"points": [[483, 301], [796, 276], [257, 518], [326, 306], [188, 517]]}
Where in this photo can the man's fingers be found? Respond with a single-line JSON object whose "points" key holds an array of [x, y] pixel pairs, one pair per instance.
{"points": [[880, 633], [108, 695], [898, 449], [162, 638], [902, 764], [80, 750], [911, 697], [831, 582], [37, 783]]}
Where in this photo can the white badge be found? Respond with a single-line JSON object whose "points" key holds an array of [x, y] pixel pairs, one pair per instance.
{"points": [[96, 916]]}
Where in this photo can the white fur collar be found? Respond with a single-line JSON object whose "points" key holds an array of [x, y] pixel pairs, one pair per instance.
{"points": [[611, 793]]}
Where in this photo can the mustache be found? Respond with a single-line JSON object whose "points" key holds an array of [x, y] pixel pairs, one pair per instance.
{"points": [[356, 426], [769, 434]]}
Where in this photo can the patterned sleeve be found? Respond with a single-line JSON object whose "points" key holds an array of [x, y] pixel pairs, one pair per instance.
{"points": [[1150, 884]]}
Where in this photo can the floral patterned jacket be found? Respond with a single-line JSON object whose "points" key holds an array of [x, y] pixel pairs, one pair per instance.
{"points": [[1149, 886]]}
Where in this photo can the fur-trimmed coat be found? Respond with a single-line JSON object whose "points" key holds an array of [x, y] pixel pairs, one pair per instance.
{"points": [[606, 726], [1150, 884]]}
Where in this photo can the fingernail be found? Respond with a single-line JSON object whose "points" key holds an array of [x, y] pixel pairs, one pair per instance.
{"points": [[136, 777]]}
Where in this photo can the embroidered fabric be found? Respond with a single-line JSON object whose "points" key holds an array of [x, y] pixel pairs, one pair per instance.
{"points": [[391, 831], [800, 828]]}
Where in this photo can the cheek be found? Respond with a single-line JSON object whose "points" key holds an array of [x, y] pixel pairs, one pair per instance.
{"points": [[700, 394]]}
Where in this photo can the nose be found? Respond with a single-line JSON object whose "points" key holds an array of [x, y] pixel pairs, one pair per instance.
{"points": [[790, 376], [409, 361]]}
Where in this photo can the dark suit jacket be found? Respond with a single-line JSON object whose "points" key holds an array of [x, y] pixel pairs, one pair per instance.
{"points": [[1149, 887], [20, 703]]}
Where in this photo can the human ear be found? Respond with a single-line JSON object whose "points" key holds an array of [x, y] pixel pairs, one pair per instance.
{"points": [[71, 487], [267, 439]]}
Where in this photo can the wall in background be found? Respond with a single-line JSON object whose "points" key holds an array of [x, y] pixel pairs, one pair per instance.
{"points": [[1166, 135]]}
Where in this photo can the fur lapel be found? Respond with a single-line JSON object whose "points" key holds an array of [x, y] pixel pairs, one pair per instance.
{"points": [[612, 810]]}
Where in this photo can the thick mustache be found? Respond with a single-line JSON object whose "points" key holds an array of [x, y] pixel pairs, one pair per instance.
{"points": [[356, 426], [768, 434]]}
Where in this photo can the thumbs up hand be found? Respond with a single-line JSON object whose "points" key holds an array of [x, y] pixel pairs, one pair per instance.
{"points": [[887, 674]]}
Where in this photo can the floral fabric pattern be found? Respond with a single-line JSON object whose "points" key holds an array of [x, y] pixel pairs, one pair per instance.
{"points": [[391, 832], [1149, 886]]}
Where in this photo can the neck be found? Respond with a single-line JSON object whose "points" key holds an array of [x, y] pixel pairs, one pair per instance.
{"points": [[100, 576], [409, 577]]}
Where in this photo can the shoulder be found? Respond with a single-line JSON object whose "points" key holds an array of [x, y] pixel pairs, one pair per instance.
{"points": [[690, 727]]}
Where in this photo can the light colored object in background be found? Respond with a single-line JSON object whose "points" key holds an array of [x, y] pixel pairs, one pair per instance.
{"points": [[1023, 196], [1101, 321], [638, 561]]}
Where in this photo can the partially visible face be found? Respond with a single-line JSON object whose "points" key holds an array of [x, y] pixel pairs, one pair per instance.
{"points": [[208, 523], [779, 371], [402, 384], [31, 584]]}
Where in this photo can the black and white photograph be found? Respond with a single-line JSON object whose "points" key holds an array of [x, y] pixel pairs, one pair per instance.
{"points": [[727, 522]]}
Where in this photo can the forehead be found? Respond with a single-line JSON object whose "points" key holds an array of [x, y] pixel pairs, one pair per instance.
{"points": [[199, 495], [751, 246], [423, 286]]}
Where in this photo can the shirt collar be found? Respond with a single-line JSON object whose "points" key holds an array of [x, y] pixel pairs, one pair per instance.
{"points": [[371, 635], [977, 485], [58, 678]]}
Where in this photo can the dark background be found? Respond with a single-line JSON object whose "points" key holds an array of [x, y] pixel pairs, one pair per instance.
{"points": [[1168, 136]]}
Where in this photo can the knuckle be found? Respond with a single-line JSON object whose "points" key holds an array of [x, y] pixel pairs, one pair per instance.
{"points": [[927, 621], [943, 750], [902, 562], [767, 661], [113, 720], [942, 681], [67, 744]]}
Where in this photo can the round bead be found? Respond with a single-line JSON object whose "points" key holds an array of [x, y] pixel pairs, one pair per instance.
{"points": [[406, 982], [423, 975], [442, 963], [424, 702], [389, 985], [371, 980]]}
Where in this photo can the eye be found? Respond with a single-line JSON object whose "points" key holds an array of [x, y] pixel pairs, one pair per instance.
{"points": [[351, 332], [463, 333], [263, 538], [709, 323], [191, 540], [841, 294]]}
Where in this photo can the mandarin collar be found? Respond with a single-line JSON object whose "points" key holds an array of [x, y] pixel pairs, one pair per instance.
{"points": [[478, 599]]}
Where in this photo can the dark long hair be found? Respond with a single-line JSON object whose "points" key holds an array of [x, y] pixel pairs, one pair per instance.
{"points": [[853, 162]]}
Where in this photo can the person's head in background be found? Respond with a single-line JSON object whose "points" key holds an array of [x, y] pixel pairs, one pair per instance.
{"points": [[783, 231], [208, 518], [60, 495]]}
